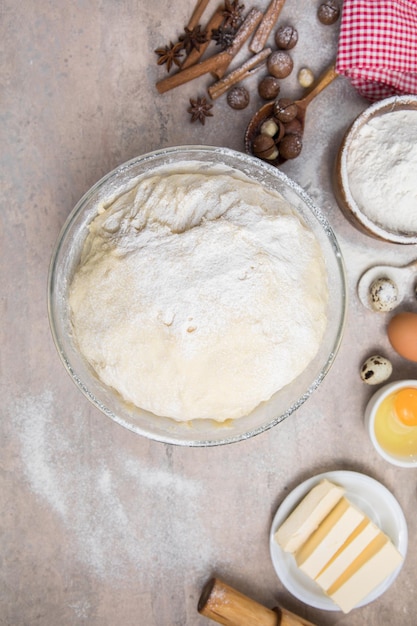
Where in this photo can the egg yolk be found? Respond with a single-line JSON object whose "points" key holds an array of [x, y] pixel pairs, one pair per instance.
{"points": [[405, 406]]}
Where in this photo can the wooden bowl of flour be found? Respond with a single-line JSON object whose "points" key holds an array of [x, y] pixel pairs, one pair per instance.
{"points": [[375, 180]]}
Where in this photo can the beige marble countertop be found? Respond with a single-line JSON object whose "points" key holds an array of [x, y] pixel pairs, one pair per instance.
{"points": [[101, 526]]}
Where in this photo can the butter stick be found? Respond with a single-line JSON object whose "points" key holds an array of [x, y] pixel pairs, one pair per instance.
{"points": [[356, 543], [332, 533], [380, 559], [308, 515]]}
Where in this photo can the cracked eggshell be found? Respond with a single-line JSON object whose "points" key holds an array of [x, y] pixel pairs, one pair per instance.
{"points": [[376, 369]]}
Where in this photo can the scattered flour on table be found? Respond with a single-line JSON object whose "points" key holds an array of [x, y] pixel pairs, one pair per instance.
{"points": [[81, 608], [119, 515], [381, 169]]}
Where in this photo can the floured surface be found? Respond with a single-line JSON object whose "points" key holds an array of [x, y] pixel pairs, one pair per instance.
{"points": [[199, 294], [100, 526], [88, 498]]}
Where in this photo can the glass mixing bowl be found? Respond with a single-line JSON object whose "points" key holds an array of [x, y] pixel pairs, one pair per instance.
{"points": [[65, 260]]}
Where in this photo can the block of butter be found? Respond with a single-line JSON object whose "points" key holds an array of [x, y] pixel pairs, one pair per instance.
{"points": [[347, 553], [308, 515], [365, 573], [337, 545], [326, 540]]}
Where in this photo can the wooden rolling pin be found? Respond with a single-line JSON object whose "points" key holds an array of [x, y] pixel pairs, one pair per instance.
{"points": [[225, 605]]}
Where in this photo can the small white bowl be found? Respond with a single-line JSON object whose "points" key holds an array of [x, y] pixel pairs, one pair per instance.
{"points": [[370, 413], [349, 206]]}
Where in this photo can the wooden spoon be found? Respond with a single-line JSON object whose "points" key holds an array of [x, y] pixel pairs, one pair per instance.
{"points": [[267, 109]]}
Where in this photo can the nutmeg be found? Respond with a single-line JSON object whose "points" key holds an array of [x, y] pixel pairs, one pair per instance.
{"points": [[286, 37], [290, 146], [238, 97], [328, 12], [269, 87], [280, 64], [285, 110], [264, 147]]}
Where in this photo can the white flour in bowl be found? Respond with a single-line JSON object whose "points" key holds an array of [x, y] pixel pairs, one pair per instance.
{"points": [[382, 170], [199, 294]]}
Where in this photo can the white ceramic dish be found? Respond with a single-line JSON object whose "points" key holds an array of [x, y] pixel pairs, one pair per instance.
{"points": [[201, 432], [370, 412], [342, 190], [372, 498], [403, 276]]}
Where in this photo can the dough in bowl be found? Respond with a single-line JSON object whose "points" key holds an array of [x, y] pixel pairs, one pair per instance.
{"points": [[199, 294]]}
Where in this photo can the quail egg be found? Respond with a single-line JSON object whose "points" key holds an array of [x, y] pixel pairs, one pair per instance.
{"points": [[376, 369], [383, 294]]}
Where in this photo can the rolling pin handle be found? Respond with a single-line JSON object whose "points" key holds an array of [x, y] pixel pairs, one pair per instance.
{"points": [[226, 606], [289, 619]]}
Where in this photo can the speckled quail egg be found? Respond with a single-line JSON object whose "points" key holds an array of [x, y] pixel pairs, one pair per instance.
{"points": [[376, 369], [383, 294]]}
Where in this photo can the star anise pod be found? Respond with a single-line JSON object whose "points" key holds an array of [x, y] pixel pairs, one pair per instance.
{"points": [[170, 54], [200, 109], [223, 36], [192, 38], [232, 13]]}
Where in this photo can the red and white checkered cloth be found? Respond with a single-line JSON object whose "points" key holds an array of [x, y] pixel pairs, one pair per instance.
{"points": [[377, 48]]}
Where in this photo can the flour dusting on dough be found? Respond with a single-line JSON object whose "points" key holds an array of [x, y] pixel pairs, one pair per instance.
{"points": [[199, 294]]}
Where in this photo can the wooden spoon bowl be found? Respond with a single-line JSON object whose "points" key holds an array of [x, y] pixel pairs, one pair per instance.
{"points": [[266, 111]]}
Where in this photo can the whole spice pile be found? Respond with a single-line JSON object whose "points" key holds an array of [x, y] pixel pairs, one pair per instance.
{"points": [[209, 49]]}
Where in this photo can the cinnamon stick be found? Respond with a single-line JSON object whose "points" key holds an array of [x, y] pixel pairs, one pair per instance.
{"points": [[216, 64], [212, 64], [199, 9], [213, 23], [255, 62], [267, 24], [249, 24]]}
